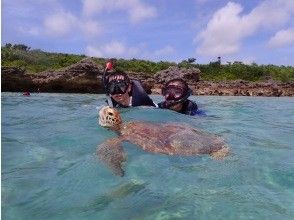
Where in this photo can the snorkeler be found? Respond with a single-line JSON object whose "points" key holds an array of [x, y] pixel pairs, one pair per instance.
{"points": [[26, 93], [176, 93], [124, 92]]}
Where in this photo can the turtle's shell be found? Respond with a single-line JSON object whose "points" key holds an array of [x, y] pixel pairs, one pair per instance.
{"points": [[170, 138]]}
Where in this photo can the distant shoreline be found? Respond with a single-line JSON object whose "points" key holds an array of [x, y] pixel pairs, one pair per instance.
{"points": [[240, 88], [85, 77]]}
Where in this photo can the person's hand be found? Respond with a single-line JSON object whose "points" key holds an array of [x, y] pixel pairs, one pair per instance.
{"points": [[109, 66]]}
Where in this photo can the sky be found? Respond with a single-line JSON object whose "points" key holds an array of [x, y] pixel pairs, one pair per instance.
{"points": [[260, 31]]}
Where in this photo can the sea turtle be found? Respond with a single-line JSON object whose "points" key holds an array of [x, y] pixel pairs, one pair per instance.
{"points": [[164, 138]]}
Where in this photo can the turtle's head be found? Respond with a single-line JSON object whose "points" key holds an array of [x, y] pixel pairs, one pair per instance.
{"points": [[109, 117]]}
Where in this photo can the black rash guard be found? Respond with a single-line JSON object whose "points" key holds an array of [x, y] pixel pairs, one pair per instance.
{"points": [[139, 97], [189, 107]]}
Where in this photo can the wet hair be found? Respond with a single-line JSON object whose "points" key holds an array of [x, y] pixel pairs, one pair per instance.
{"points": [[118, 73]]}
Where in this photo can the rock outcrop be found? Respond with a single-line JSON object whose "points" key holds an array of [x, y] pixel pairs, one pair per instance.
{"points": [[190, 75], [86, 77], [243, 88], [14, 79]]}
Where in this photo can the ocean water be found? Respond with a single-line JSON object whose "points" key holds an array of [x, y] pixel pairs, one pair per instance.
{"points": [[50, 170]]}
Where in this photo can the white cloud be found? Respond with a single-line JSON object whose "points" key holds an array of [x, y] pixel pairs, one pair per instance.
{"points": [[136, 9], [139, 11], [91, 7], [167, 50], [113, 49], [120, 50], [60, 24], [93, 52], [91, 28], [31, 31], [218, 37], [282, 38], [228, 27]]}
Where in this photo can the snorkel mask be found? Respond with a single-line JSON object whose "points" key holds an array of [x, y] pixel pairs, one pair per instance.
{"points": [[118, 85], [175, 91]]}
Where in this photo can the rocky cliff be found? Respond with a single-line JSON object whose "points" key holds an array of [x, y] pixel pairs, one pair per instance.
{"points": [[86, 77], [82, 77]]}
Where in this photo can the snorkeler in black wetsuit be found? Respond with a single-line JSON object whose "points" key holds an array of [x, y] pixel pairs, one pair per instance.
{"points": [[176, 93], [124, 92]]}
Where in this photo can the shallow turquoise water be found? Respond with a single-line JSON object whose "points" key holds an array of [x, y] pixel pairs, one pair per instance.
{"points": [[50, 171]]}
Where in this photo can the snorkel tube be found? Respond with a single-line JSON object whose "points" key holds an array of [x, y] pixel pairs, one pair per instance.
{"points": [[109, 66]]}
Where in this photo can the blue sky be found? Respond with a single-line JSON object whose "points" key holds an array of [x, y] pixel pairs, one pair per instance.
{"points": [[260, 31]]}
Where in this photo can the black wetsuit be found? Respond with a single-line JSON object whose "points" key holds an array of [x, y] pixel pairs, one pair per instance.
{"points": [[139, 97], [189, 107]]}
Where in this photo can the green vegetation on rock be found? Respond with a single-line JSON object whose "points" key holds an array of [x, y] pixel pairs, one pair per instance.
{"points": [[238, 70], [34, 61], [142, 66]]}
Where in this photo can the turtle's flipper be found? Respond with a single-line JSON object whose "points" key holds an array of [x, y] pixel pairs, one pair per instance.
{"points": [[112, 154], [221, 154]]}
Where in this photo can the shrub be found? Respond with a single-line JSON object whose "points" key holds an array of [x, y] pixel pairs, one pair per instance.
{"points": [[20, 55]]}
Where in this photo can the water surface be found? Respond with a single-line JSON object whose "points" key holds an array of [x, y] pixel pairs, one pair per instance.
{"points": [[50, 170]]}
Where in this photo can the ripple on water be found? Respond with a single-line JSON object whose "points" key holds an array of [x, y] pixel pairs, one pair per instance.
{"points": [[50, 170]]}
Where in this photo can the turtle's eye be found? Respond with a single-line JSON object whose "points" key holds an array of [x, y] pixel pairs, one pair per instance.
{"points": [[110, 113]]}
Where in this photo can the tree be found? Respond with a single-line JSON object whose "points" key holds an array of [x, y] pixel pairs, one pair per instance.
{"points": [[191, 60], [21, 47], [9, 45]]}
